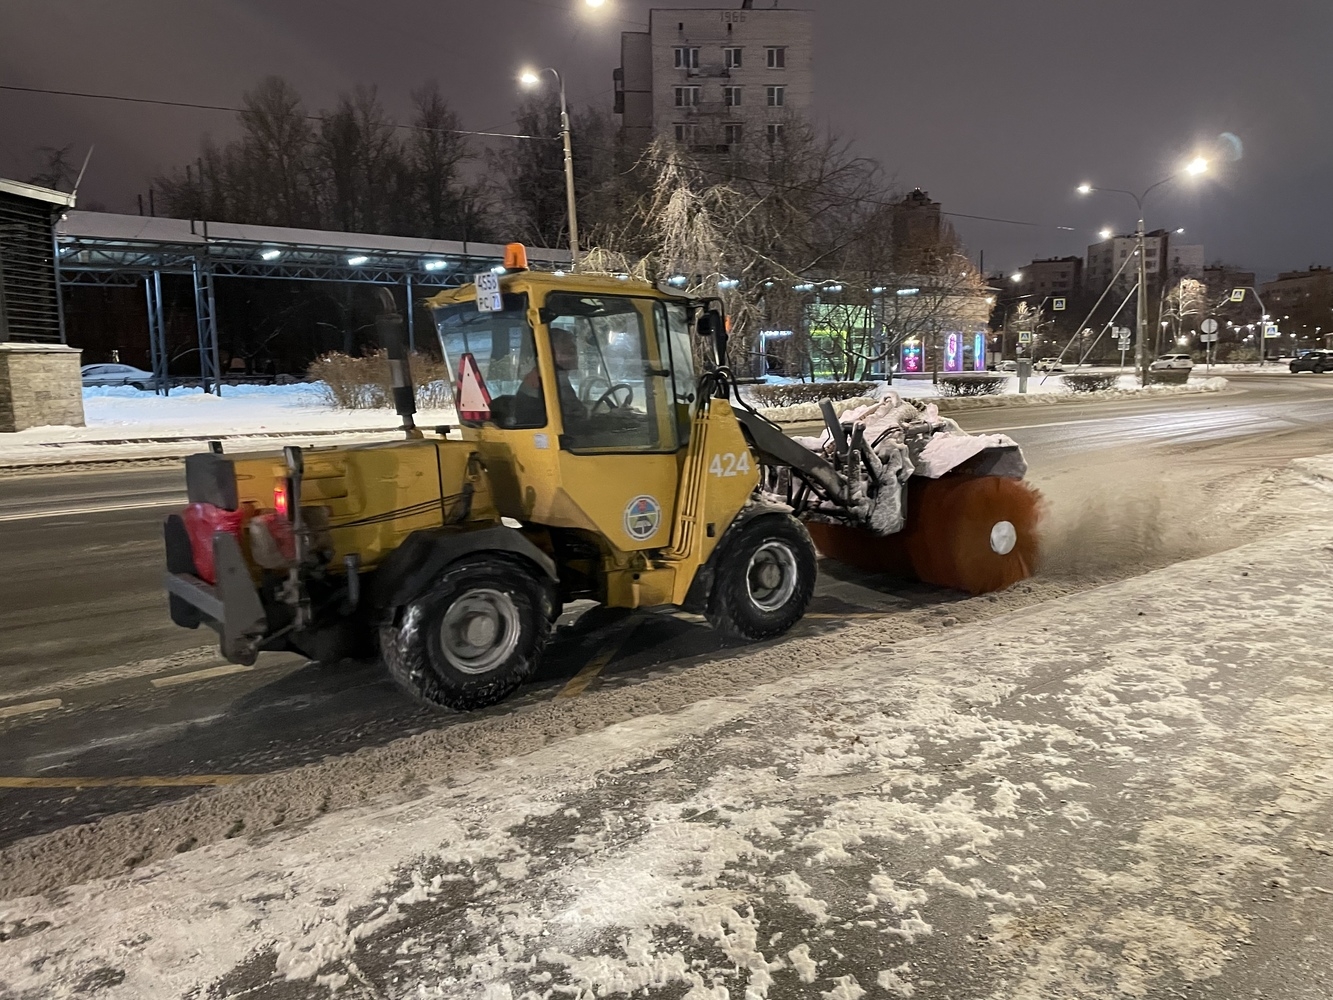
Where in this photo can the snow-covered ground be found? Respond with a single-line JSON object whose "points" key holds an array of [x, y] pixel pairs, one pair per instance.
{"points": [[1041, 389], [1121, 793], [125, 422]]}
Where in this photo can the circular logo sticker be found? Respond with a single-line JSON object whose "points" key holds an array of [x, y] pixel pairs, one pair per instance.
{"points": [[643, 516]]}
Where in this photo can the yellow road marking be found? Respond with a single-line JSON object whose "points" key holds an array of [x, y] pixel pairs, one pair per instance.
{"points": [[852, 614], [32, 706], [150, 781], [171, 680], [580, 681]]}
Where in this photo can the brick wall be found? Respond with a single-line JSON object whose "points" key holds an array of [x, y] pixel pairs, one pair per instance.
{"points": [[39, 384]]}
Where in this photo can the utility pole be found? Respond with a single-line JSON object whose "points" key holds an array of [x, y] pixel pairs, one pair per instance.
{"points": [[1141, 325], [1195, 167]]}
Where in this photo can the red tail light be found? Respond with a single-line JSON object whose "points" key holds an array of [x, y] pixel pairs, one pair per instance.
{"points": [[280, 503], [202, 520]]}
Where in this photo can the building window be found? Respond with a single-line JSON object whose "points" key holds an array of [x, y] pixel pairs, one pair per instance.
{"points": [[777, 97], [687, 58], [732, 58], [732, 96], [687, 97], [733, 133], [686, 132], [777, 57], [776, 131]]}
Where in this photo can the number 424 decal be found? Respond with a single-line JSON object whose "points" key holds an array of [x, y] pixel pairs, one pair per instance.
{"points": [[729, 465]]}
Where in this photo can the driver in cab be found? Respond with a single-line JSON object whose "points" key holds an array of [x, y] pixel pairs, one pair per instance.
{"points": [[529, 401]]}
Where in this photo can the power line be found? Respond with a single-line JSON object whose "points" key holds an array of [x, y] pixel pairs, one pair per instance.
{"points": [[244, 111], [846, 199]]}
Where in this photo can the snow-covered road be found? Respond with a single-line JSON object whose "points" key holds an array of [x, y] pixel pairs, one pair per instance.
{"points": [[1123, 792]]}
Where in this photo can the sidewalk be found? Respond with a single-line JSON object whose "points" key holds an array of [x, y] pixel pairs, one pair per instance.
{"points": [[1128, 791]]}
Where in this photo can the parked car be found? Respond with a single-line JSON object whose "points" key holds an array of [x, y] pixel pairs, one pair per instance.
{"points": [[117, 375], [1169, 361], [1312, 361], [1007, 366], [1048, 365]]}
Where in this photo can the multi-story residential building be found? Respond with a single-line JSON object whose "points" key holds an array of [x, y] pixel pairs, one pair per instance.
{"points": [[1059, 277], [1301, 301], [1164, 260], [717, 79]]}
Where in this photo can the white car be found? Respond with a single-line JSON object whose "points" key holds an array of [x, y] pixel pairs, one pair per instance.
{"points": [[1007, 366], [114, 374], [1169, 361], [1048, 365]]}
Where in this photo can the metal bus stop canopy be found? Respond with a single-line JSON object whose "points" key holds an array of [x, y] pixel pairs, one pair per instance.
{"points": [[99, 248]]}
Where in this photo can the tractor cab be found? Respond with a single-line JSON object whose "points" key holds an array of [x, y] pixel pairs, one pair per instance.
{"points": [[579, 392]]}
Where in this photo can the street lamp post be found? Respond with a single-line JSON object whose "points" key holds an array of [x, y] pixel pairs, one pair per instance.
{"points": [[530, 78], [1196, 166]]}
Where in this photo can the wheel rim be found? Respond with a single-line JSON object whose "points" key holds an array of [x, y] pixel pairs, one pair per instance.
{"points": [[480, 631], [770, 578], [1003, 538]]}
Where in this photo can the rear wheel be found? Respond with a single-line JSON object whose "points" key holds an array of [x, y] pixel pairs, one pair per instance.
{"points": [[765, 579], [972, 533], [473, 637]]}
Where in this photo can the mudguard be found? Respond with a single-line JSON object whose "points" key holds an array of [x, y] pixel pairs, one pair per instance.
{"points": [[407, 571]]}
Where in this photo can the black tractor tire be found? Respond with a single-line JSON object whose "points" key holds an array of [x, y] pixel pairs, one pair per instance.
{"points": [[765, 578], [473, 637]]}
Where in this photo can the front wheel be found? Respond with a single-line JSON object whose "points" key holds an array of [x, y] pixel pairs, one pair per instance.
{"points": [[765, 579], [471, 639]]}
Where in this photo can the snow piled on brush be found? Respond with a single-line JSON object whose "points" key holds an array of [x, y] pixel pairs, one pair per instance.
{"points": [[1015, 812]]}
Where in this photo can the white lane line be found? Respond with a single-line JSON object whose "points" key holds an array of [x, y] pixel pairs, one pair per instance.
{"points": [[197, 657], [33, 515], [171, 680], [8, 711]]}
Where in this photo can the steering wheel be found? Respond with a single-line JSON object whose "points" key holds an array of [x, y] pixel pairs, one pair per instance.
{"points": [[586, 389], [609, 398]]}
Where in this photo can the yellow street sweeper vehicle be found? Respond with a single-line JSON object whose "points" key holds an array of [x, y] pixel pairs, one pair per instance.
{"points": [[590, 460]]}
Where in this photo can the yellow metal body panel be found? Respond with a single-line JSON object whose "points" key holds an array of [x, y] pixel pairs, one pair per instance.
{"points": [[660, 515], [404, 485]]}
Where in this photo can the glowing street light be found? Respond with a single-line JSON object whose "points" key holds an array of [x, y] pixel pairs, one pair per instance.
{"points": [[1016, 277], [531, 78], [1106, 234], [595, 3], [1194, 168]]}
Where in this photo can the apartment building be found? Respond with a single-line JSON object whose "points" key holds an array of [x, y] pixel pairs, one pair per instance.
{"points": [[717, 79]]}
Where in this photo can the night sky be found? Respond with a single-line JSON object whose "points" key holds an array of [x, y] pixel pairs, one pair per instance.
{"points": [[996, 108]]}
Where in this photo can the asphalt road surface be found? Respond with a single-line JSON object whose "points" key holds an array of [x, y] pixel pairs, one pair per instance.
{"points": [[105, 705]]}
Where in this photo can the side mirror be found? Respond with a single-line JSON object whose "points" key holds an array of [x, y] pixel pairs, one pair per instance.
{"points": [[711, 325]]}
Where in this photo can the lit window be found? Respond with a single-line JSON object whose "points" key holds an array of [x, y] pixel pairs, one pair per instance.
{"points": [[777, 58], [687, 97], [687, 58], [732, 57], [776, 132], [777, 97], [733, 133], [732, 96]]}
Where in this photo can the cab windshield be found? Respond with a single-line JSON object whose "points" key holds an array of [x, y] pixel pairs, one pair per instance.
{"points": [[623, 380]]}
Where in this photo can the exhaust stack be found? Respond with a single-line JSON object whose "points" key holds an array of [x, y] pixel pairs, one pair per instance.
{"points": [[389, 330]]}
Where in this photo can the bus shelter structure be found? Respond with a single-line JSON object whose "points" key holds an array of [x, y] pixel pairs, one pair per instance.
{"points": [[99, 248]]}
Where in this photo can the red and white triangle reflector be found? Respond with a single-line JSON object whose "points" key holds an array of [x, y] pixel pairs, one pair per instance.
{"points": [[474, 400]]}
